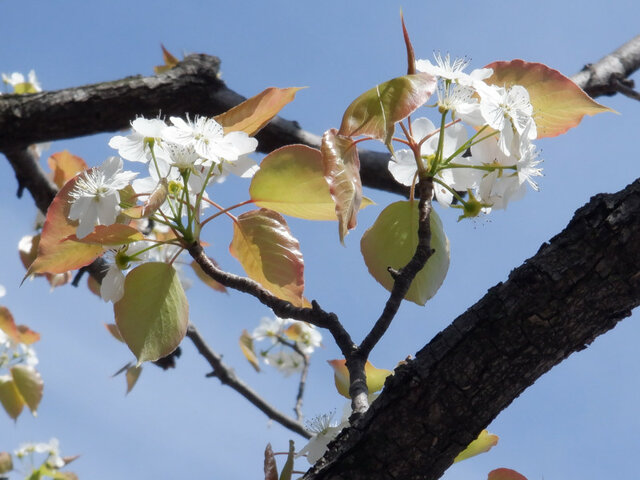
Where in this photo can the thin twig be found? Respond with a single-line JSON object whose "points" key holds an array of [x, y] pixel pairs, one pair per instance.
{"points": [[303, 375], [229, 378]]}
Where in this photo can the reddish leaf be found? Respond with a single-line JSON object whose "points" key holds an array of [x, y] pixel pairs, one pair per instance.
{"points": [[55, 255], [253, 114], [505, 474], [558, 103], [411, 57], [65, 166], [270, 467], [263, 244], [375, 112], [17, 333], [342, 173], [111, 235], [30, 385], [169, 61]]}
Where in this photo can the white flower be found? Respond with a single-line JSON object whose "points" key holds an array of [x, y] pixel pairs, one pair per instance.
{"points": [[269, 328], [52, 449], [95, 197], [324, 430], [3, 291], [208, 139], [443, 67], [20, 85], [112, 286], [135, 147], [286, 361]]}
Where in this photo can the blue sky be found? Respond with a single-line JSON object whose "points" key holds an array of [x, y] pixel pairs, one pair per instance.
{"points": [[579, 421]]}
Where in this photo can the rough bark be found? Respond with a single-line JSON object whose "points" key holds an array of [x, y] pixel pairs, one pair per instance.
{"points": [[578, 286]]}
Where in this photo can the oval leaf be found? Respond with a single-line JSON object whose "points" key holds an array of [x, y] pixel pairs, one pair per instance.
{"points": [[342, 173], [505, 474], [55, 253], [482, 444], [153, 314], [30, 385], [65, 166], [375, 112], [269, 254], [253, 114], [375, 376], [10, 397], [391, 242], [558, 103]]}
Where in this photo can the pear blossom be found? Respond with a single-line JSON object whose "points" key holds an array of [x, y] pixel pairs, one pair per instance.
{"points": [[453, 72], [54, 460], [22, 85], [324, 430], [112, 286], [135, 147], [95, 198], [286, 361]]}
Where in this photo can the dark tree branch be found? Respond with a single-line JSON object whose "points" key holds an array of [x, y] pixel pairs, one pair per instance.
{"points": [[228, 377], [577, 287]]}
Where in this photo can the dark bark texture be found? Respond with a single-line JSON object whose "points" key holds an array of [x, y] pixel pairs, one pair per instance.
{"points": [[578, 286]]}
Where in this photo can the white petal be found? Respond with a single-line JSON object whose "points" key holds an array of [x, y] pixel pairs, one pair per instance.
{"points": [[112, 287]]}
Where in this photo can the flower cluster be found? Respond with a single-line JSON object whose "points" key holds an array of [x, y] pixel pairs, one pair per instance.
{"points": [[21, 85], [52, 449], [495, 163], [290, 342]]}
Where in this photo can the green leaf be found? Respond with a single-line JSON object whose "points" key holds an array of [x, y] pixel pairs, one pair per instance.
{"points": [[391, 242], [153, 314], [505, 474], [30, 385], [133, 373], [342, 173], [112, 328], [111, 235], [55, 253], [263, 244], [375, 112], [485, 442], [287, 470], [375, 376], [270, 467], [558, 103], [253, 114], [246, 345], [10, 397], [291, 181]]}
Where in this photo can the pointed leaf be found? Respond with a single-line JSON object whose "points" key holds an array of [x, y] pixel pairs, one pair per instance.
{"points": [[291, 181], [411, 57], [270, 467], [217, 286], [287, 469], [375, 376], [111, 235], [246, 345], [10, 397], [342, 173], [133, 373], [482, 444], [153, 314], [253, 114], [375, 112], [558, 103], [28, 249], [169, 61], [17, 333], [55, 254], [505, 474], [392, 241], [65, 166], [30, 385], [263, 244]]}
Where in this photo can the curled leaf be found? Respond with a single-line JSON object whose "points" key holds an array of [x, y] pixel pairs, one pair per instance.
{"points": [[482, 444], [375, 376]]}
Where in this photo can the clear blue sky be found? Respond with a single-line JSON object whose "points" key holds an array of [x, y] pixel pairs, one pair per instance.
{"points": [[579, 421]]}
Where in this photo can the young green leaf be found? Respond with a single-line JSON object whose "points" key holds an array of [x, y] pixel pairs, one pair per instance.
{"points": [[375, 376], [30, 385], [375, 112], [132, 375], [253, 114], [263, 244], [10, 397], [342, 173], [287, 469], [153, 314], [482, 444], [392, 241], [558, 103]]}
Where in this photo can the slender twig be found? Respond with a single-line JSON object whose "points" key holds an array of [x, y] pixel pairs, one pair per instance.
{"points": [[303, 375], [229, 378], [626, 88]]}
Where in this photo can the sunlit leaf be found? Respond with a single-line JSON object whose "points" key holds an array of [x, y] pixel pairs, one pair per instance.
{"points": [[253, 114], [558, 103], [246, 345], [10, 397], [375, 112], [169, 61], [150, 206], [153, 314], [111, 235], [341, 377], [30, 385], [287, 469], [482, 444], [270, 467], [505, 474], [217, 286], [269, 254], [6, 463], [342, 173], [112, 328], [65, 166], [17, 333], [392, 241], [133, 373], [55, 254]]}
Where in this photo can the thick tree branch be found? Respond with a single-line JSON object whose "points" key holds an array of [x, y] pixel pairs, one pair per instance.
{"points": [[577, 287]]}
